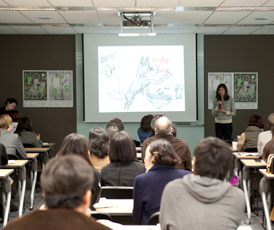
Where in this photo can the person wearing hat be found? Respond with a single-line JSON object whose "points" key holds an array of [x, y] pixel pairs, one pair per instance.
{"points": [[265, 136]]}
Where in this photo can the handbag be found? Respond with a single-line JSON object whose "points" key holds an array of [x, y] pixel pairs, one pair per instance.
{"points": [[270, 164]]}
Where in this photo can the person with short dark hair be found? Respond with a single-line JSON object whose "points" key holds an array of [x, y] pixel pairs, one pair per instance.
{"points": [[124, 166], [11, 140], [223, 109], [77, 144], [160, 162], [10, 104], [163, 130], [203, 200], [66, 183], [116, 122], [26, 134], [249, 139], [265, 136], [99, 147], [145, 130]]}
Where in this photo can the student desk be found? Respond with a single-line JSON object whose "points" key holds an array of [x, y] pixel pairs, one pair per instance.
{"points": [[19, 165], [43, 154], [265, 187], [119, 209], [49, 145], [249, 166], [6, 192], [32, 157]]}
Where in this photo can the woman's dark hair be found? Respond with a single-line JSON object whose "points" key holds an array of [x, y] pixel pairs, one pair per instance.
{"points": [[24, 123], [11, 100], [122, 147], [145, 123], [174, 131], [226, 97], [98, 142], [256, 120], [116, 122], [269, 146], [75, 144], [163, 153]]}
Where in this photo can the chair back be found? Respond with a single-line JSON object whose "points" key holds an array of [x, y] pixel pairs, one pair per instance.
{"points": [[117, 192], [13, 157], [101, 215], [251, 150], [154, 219], [26, 145]]}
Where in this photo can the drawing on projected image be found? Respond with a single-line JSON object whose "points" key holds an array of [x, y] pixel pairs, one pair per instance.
{"points": [[146, 76]]}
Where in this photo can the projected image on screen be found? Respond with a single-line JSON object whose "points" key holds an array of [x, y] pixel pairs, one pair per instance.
{"points": [[141, 78]]}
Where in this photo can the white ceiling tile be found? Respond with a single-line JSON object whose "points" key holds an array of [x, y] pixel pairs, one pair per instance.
{"points": [[58, 30], [190, 17], [13, 17], [160, 29], [250, 19], [269, 3], [89, 30], [29, 29], [243, 2], [211, 30], [156, 3], [199, 3], [109, 17], [27, 2], [241, 30], [226, 17], [2, 3], [7, 30], [34, 16], [265, 30], [81, 17], [86, 3], [110, 29], [162, 17], [114, 3], [185, 29]]}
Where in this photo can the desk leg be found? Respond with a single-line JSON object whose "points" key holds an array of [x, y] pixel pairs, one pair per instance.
{"points": [[22, 189], [6, 196], [266, 211], [34, 168], [246, 185]]}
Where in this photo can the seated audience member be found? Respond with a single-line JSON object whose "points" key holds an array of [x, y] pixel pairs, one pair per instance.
{"points": [[160, 162], [10, 104], [66, 183], [269, 146], [174, 131], [163, 130], [145, 130], [77, 144], [112, 130], [116, 122], [265, 136], [26, 134], [250, 137], [10, 140], [124, 166], [99, 147], [3, 156], [203, 200]]}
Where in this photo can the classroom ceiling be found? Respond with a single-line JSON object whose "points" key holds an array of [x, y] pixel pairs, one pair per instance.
{"points": [[171, 16]]}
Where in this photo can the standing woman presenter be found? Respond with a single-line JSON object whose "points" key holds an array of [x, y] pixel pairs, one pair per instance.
{"points": [[223, 109]]}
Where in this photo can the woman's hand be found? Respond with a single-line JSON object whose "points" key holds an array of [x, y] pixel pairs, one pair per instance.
{"points": [[222, 111], [38, 136]]}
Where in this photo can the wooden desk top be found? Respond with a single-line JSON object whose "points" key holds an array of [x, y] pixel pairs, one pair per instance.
{"points": [[37, 150], [4, 173], [32, 155], [16, 164], [115, 206], [239, 156], [266, 175], [253, 164]]}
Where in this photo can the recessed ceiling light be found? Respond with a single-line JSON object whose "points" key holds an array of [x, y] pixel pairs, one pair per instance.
{"points": [[261, 19], [44, 18]]}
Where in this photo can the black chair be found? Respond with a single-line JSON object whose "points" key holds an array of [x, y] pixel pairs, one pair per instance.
{"points": [[26, 145], [117, 192], [13, 157], [154, 219], [251, 150], [101, 215]]}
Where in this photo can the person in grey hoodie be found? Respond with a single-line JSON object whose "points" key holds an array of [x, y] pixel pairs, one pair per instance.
{"points": [[204, 200]]}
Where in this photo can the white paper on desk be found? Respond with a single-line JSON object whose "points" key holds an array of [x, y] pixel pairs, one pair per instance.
{"points": [[249, 154], [11, 162], [45, 143]]}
